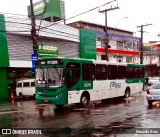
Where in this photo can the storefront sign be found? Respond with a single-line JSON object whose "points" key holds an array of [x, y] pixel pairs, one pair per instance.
{"points": [[47, 50]]}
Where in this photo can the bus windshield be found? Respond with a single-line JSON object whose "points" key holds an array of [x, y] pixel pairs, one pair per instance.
{"points": [[49, 77]]}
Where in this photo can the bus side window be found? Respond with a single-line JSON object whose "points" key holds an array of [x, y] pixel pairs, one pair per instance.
{"points": [[121, 72], [101, 72], [141, 72], [88, 71], [112, 72], [129, 72], [136, 72]]}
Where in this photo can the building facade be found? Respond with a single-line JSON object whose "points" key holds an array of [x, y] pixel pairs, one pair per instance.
{"points": [[124, 46], [151, 57]]}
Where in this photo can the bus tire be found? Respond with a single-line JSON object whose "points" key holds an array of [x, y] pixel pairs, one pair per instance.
{"points": [[34, 96], [85, 98], [127, 92]]}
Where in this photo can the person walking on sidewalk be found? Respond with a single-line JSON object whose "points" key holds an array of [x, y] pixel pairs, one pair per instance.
{"points": [[147, 80]]}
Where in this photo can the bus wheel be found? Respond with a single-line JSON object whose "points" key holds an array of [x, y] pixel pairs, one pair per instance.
{"points": [[127, 93], [84, 99]]}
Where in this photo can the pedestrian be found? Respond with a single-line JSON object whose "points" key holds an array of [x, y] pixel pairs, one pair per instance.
{"points": [[147, 80]]}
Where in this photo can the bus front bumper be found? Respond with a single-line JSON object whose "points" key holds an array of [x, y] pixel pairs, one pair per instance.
{"points": [[58, 100]]}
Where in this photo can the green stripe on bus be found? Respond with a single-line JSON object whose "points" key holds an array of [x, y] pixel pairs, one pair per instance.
{"points": [[133, 80], [136, 65]]}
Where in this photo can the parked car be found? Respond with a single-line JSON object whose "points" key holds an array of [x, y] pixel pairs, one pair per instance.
{"points": [[153, 93], [25, 88], [152, 80]]}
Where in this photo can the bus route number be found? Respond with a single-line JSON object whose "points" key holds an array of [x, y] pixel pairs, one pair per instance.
{"points": [[86, 85]]}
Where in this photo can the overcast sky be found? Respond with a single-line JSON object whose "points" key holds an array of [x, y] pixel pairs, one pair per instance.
{"points": [[139, 12]]}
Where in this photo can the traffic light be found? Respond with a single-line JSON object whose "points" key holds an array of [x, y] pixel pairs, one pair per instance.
{"points": [[108, 46]]}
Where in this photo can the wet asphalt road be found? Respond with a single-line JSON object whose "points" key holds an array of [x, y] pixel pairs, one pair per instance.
{"points": [[116, 117]]}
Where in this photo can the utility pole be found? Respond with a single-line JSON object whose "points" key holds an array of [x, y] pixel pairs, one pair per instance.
{"points": [[141, 45], [106, 30], [33, 30]]}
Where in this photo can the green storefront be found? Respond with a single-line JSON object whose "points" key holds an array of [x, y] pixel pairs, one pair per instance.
{"points": [[87, 44], [4, 60]]}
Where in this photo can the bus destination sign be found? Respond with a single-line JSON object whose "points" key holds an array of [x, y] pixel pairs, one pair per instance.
{"points": [[50, 62]]}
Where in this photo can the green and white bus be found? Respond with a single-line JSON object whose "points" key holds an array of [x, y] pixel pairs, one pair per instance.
{"points": [[63, 81]]}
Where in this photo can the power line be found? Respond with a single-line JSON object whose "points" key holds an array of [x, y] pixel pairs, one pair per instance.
{"points": [[15, 16], [56, 22], [59, 31], [15, 22], [68, 36], [50, 24], [13, 31], [60, 34], [80, 14], [7, 21], [14, 26]]}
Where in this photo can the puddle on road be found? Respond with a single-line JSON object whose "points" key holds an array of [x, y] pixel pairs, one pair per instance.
{"points": [[111, 128], [91, 111]]}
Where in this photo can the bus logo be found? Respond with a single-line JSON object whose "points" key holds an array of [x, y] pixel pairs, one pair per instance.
{"points": [[116, 85]]}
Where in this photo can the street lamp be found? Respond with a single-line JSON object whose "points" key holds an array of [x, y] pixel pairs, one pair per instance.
{"points": [[120, 21], [118, 24]]}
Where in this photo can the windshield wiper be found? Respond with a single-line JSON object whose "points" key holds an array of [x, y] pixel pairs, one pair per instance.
{"points": [[43, 78]]}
